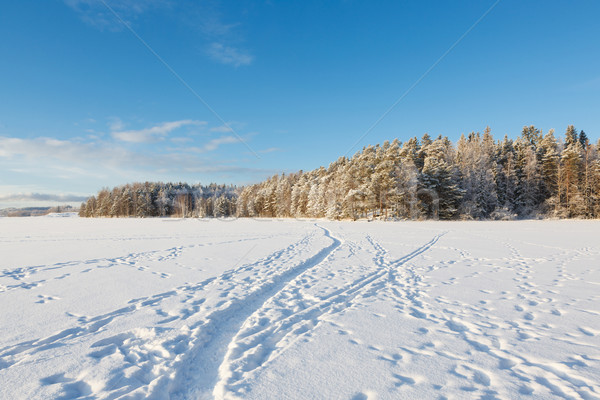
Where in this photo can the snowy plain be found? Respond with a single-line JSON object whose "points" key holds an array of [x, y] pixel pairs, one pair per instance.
{"points": [[298, 309]]}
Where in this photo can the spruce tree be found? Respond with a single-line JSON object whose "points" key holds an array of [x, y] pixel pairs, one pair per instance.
{"points": [[440, 192], [571, 164], [549, 172]]}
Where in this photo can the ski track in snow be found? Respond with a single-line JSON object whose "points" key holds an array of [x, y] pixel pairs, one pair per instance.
{"points": [[290, 314], [218, 337], [166, 360]]}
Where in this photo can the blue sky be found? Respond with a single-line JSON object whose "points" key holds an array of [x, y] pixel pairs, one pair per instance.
{"points": [[248, 89]]}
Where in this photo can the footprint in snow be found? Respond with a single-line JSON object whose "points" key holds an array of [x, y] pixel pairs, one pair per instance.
{"points": [[44, 299], [366, 395], [54, 379], [587, 331], [529, 316], [404, 380], [456, 326]]}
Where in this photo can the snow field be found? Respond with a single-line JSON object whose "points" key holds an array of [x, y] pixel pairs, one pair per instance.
{"points": [[164, 308]]}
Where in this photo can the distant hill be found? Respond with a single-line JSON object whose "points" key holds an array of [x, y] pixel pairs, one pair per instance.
{"points": [[35, 211]]}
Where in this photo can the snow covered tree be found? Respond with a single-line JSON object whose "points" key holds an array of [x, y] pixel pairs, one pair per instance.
{"points": [[549, 171], [534, 175], [530, 187], [439, 183], [571, 163], [476, 170]]}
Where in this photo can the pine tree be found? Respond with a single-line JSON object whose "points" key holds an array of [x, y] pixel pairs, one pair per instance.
{"points": [[571, 163], [315, 207], [411, 150], [531, 135], [531, 184], [90, 207], [583, 139], [116, 200], [475, 167], [407, 186], [82, 210], [549, 171], [596, 182], [438, 183], [589, 156], [382, 180], [283, 197], [571, 136], [221, 206], [366, 165]]}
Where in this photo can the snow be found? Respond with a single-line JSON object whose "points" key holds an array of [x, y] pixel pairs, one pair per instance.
{"points": [[298, 309]]}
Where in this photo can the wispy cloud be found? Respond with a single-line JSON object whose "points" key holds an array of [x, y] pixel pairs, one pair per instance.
{"points": [[211, 145], [222, 39], [269, 150], [154, 133], [215, 143], [229, 55], [96, 14], [222, 128], [181, 140], [116, 124], [103, 160], [72, 152], [211, 24]]}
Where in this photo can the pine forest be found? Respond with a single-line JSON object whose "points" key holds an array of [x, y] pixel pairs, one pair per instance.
{"points": [[536, 175]]}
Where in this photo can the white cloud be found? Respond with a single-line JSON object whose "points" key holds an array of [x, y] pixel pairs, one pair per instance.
{"points": [[96, 13], [102, 161], [199, 16], [212, 26], [61, 150], [181, 140], [42, 165], [115, 124], [229, 55], [215, 143], [222, 128], [154, 133], [269, 150]]}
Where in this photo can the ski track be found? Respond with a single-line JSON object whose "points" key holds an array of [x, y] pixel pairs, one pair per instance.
{"points": [[211, 339], [224, 325], [166, 362], [289, 315]]}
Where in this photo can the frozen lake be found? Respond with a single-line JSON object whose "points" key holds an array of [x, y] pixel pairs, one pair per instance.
{"points": [[269, 309]]}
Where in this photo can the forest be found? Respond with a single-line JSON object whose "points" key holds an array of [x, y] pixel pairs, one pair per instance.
{"points": [[536, 175], [157, 199]]}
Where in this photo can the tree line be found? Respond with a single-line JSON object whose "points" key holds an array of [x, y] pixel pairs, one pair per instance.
{"points": [[157, 199], [536, 175]]}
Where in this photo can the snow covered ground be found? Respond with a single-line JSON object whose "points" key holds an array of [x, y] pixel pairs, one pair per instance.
{"points": [[264, 309]]}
